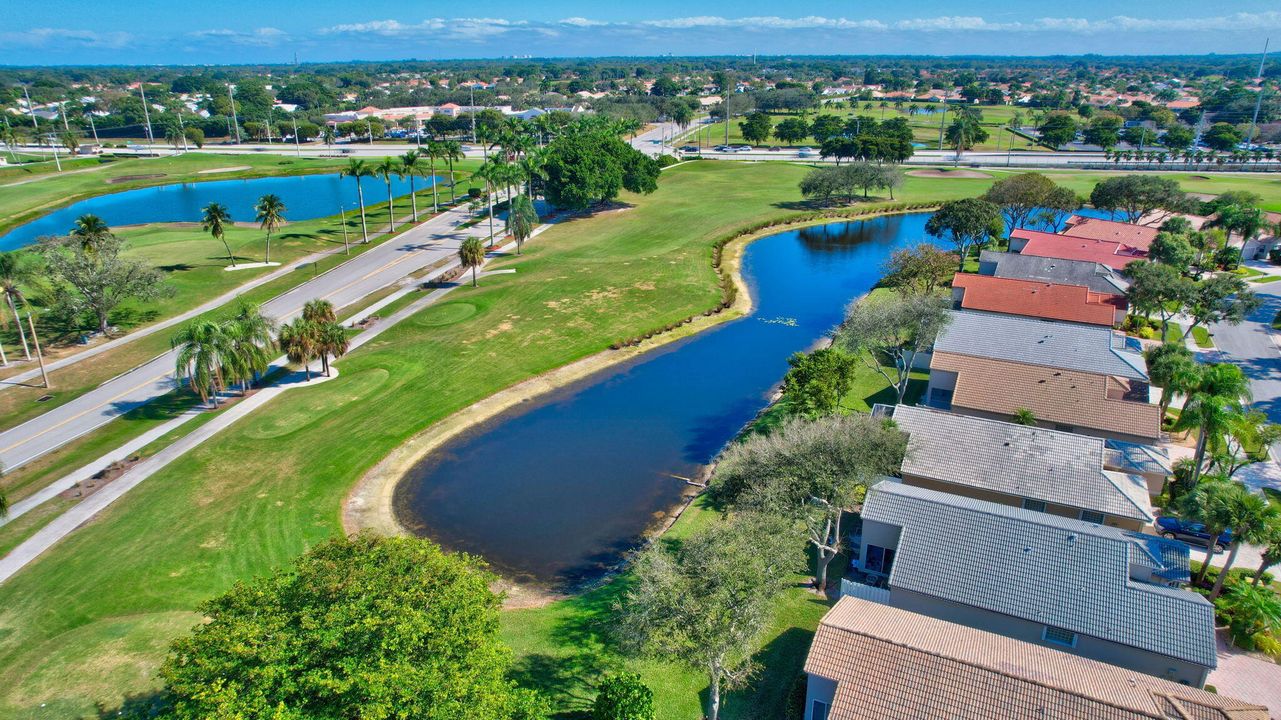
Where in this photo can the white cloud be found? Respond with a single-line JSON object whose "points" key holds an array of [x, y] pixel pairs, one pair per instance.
{"points": [[467, 29], [582, 22], [261, 37], [47, 37]]}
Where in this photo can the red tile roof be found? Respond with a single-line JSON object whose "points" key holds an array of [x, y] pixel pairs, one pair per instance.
{"points": [[1032, 298], [1113, 254], [1139, 236]]}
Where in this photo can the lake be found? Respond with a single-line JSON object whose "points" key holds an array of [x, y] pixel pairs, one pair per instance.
{"points": [[557, 491], [305, 197]]}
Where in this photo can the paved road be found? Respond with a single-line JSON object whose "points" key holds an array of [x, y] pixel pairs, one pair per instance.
{"points": [[381, 266]]}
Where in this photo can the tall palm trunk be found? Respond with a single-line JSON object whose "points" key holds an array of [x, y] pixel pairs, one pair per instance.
{"points": [[1223, 573], [435, 188], [413, 199], [230, 255], [267, 257], [453, 189], [22, 334], [489, 195], [391, 210], [360, 195]]}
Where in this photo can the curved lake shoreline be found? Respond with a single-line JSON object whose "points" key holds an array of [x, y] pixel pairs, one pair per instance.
{"points": [[518, 479]]}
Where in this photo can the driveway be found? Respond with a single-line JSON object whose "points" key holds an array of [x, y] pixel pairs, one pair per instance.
{"points": [[1246, 677]]}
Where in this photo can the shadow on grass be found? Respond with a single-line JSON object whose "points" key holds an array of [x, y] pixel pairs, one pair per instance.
{"points": [[765, 696], [136, 707]]}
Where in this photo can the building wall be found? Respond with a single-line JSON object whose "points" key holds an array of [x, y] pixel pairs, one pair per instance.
{"points": [[1126, 656], [1013, 500], [821, 689]]}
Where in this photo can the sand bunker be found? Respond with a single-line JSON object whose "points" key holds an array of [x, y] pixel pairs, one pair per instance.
{"points": [[237, 168]]}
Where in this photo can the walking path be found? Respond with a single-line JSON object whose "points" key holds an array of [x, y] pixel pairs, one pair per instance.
{"points": [[77, 515], [383, 265]]}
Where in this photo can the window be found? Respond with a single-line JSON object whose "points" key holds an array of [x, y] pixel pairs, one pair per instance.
{"points": [[1059, 636], [1091, 516], [818, 711], [879, 560], [1064, 428], [1036, 505]]}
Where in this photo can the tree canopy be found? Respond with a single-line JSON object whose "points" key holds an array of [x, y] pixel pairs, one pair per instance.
{"points": [[364, 628], [1135, 196], [586, 167]]}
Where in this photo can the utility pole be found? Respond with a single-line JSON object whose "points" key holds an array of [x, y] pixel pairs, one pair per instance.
{"points": [[297, 147], [93, 127], [39, 355], [235, 122], [941, 119], [268, 125], [182, 130], [1254, 121], [146, 114], [472, 110], [343, 213], [727, 98], [62, 111], [35, 122]]}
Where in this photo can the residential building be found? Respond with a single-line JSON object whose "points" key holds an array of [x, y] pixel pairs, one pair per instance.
{"points": [[1095, 276], [1082, 226], [871, 662], [1113, 254], [1023, 466], [1091, 590], [1072, 377], [1037, 298]]}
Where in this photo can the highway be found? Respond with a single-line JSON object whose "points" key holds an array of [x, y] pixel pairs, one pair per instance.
{"points": [[380, 267]]}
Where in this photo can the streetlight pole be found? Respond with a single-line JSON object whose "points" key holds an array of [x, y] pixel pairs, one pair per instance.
{"points": [[235, 121], [297, 147], [182, 130], [1254, 121], [39, 355], [343, 213], [146, 114]]}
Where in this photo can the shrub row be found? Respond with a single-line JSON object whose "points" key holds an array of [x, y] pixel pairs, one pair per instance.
{"points": [[729, 290]]}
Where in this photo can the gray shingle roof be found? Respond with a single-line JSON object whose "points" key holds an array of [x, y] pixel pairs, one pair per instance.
{"points": [[1031, 462], [1038, 567], [1096, 277], [1030, 341]]}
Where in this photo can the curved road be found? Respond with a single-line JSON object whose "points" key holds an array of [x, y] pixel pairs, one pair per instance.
{"points": [[380, 267]]}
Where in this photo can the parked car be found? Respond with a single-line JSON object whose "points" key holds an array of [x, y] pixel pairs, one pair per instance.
{"points": [[1191, 532], [741, 148], [775, 148], [689, 148], [722, 148]]}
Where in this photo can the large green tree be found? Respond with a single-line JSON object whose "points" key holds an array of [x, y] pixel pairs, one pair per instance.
{"points": [[894, 328], [1136, 196], [585, 167], [360, 628], [966, 223], [95, 278]]}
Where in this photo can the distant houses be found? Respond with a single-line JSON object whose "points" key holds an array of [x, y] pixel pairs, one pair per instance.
{"points": [[1070, 376], [875, 661]]}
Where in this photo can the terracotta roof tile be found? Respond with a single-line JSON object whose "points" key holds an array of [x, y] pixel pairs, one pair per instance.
{"points": [[1139, 236], [1073, 303], [1066, 397], [891, 663], [1113, 254]]}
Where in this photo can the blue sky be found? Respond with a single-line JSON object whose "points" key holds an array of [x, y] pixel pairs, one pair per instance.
{"points": [[231, 31]]}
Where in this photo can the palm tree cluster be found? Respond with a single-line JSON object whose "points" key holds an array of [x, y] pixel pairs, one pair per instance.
{"points": [[410, 166], [215, 355], [316, 334], [269, 211]]}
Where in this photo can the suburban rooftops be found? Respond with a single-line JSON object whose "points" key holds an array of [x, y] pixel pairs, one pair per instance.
{"points": [[887, 661], [1037, 298], [1140, 236], [1085, 348], [1041, 568], [1097, 277], [1026, 461], [1114, 254]]}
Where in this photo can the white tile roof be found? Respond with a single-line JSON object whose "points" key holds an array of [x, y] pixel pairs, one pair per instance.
{"points": [[1030, 341]]}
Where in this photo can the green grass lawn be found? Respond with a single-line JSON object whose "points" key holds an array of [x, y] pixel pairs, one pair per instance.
{"points": [[1173, 333], [1202, 337], [89, 621]]}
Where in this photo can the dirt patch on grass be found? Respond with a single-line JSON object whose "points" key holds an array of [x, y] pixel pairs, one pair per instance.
{"points": [[945, 173], [212, 171], [130, 178]]}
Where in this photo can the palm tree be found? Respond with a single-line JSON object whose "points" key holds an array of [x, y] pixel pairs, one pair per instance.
{"points": [[202, 348], [409, 167], [331, 339], [90, 230], [1253, 518], [1023, 416], [471, 254], [1271, 554], [1252, 612], [252, 346], [1219, 391], [15, 271], [1211, 503], [451, 151], [359, 170], [433, 151], [490, 173], [1172, 368], [271, 215], [319, 312], [214, 222], [385, 170], [298, 340], [9, 136], [522, 218], [533, 164]]}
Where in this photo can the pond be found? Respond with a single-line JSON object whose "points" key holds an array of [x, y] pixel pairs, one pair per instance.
{"points": [[556, 491], [305, 197]]}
